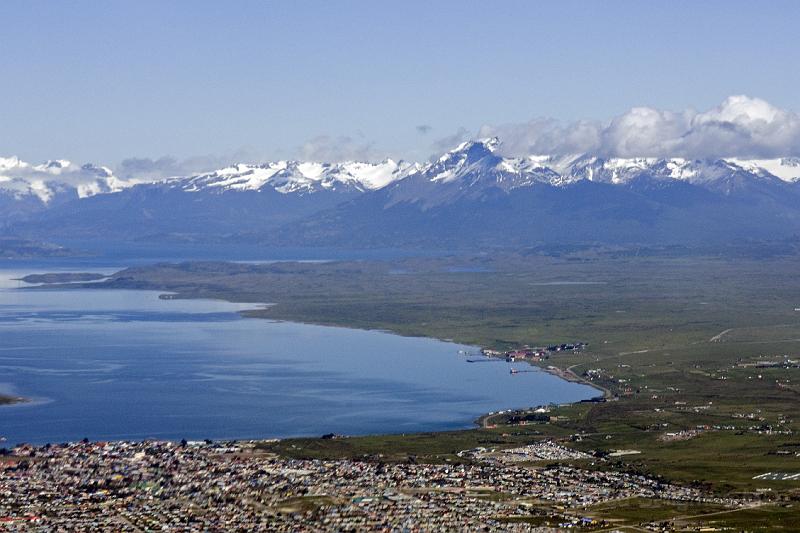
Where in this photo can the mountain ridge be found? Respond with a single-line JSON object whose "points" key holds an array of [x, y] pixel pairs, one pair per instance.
{"points": [[294, 176], [469, 194]]}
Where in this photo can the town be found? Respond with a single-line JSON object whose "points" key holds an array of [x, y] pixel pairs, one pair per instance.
{"points": [[236, 486]]}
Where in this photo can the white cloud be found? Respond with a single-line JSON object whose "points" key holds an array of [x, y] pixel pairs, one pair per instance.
{"points": [[45, 179], [145, 168], [740, 126], [329, 149], [451, 141]]}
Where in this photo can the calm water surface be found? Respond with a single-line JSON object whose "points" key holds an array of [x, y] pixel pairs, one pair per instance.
{"points": [[107, 364]]}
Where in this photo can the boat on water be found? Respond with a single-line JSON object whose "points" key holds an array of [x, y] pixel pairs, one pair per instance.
{"points": [[514, 371]]}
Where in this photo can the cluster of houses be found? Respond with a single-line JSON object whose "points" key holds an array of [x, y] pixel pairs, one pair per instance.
{"points": [[535, 353], [204, 486]]}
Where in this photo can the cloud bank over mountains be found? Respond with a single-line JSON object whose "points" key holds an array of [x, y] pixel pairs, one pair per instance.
{"points": [[168, 166], [335, 149], [20, 177], [740, 126]]}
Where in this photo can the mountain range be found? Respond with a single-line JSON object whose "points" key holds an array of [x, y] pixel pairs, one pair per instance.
{"points": [[470, 196]]}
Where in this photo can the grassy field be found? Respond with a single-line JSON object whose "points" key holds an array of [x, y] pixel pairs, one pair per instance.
{"points": [[681, 342]]}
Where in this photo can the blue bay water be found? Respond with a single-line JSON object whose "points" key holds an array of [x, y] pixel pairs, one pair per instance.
{"points": [[108, 364]]}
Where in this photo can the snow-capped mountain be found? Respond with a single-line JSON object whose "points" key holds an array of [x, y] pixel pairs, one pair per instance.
{"points": [[47, 180], [468, 170], [242, 198], [78, 200], [473, 195], [700, 172], [475, 168], [56, 177], [27, 190], [299, 177], [469, 194], [476, 162], [471, 165], [787, 168]]}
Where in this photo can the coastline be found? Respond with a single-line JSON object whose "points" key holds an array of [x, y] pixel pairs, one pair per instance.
{"points": [[257, 311], [485, 420]]}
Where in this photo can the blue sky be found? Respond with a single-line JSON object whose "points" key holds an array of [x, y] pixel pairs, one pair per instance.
{"points": [[105, 81]]}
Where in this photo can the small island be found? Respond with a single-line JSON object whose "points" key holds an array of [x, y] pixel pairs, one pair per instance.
{"points": [[63, 277], [8, 400]]}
